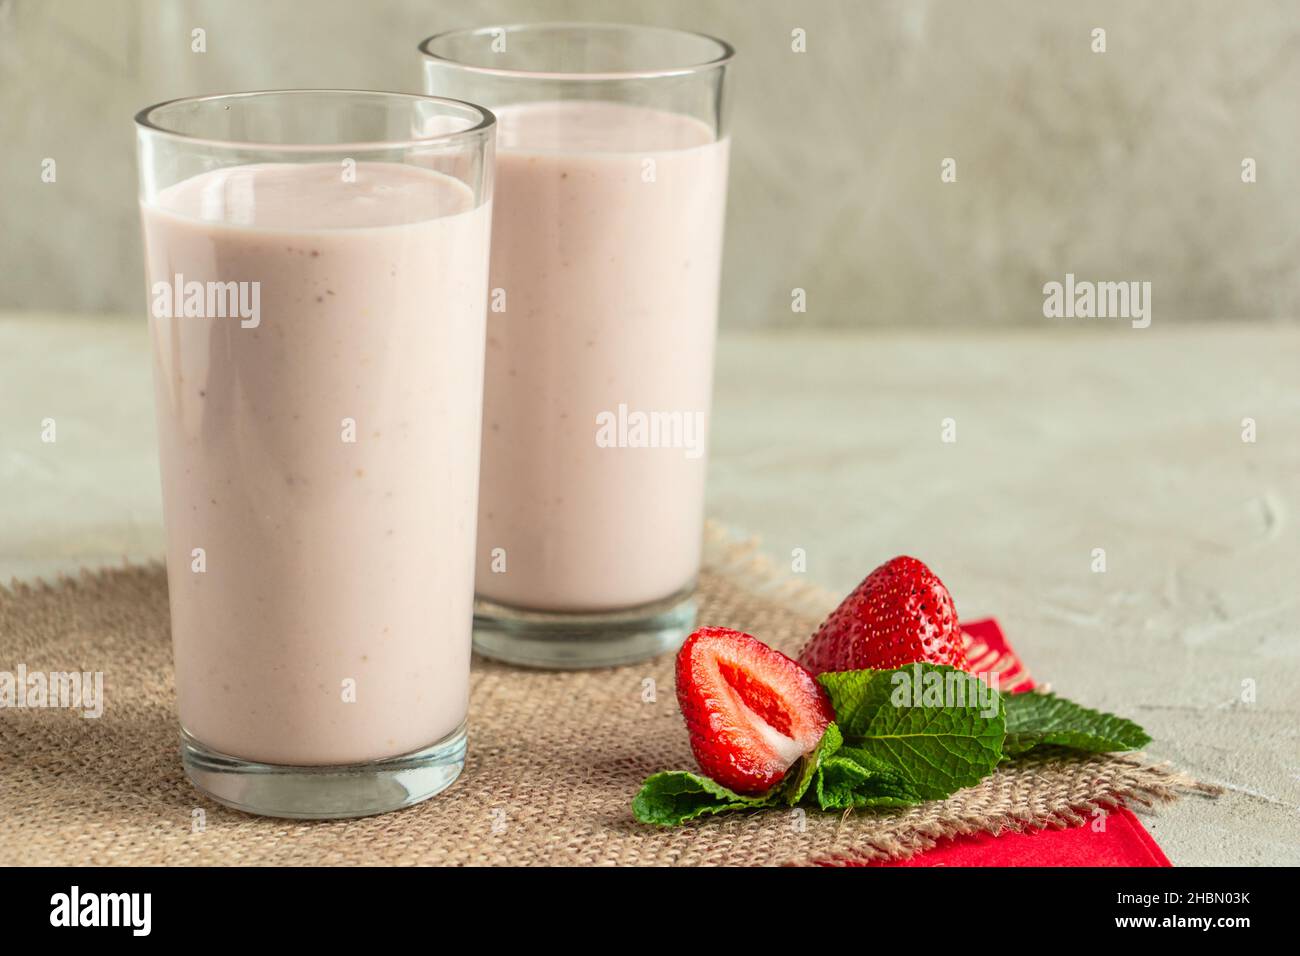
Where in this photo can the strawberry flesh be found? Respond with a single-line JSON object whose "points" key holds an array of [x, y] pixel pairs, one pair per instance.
{"points": [[751, 711]]}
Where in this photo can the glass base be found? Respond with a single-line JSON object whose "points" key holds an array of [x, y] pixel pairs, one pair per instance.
{"points": [[324, 793], [573, 641]]}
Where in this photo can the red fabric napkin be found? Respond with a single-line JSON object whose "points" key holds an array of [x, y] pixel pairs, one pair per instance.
{"points": [[1122, 842]]}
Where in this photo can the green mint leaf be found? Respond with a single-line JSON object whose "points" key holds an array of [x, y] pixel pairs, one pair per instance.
{"points": [[920, 732], [854, 778], [1035, 719], [808, 772], [840, 778], [667, 799]]}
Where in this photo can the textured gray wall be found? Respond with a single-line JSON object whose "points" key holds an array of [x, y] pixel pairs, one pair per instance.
{"points": [[1119, 165]]}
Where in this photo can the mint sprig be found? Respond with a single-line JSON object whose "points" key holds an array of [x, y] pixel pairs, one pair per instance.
{"points": [[937, 729], [1036, 719], [667, 799], [900, 737], [838, 777]]}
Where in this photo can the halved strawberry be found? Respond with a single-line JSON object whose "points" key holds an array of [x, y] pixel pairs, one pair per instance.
{"points": [[751, 711], [899, 614]]}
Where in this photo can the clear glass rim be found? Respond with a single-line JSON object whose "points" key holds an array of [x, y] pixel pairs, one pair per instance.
{"points": [[725, 52], [146, 122]]}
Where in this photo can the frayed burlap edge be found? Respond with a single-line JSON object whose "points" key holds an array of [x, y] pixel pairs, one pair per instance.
{"points": [[1129, 781]]}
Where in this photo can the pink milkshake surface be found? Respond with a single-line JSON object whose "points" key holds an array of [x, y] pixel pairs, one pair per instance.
{"points": [[323, 458], [606, 242]]}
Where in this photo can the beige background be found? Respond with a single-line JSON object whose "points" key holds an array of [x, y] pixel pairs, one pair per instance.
{"points": [[1122, 165]]}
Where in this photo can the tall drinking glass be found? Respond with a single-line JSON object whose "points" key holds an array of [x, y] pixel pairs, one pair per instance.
{"points": [[317, 270], [607, 244]]}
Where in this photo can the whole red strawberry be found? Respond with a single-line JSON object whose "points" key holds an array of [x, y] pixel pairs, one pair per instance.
{"points": [[900, 614], [751, 711]]}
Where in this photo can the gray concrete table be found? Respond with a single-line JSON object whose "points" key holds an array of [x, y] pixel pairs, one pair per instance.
{"points": [[1068, 440]]}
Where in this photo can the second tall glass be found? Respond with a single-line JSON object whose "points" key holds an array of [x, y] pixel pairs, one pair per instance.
{"points": [[612, 154]]}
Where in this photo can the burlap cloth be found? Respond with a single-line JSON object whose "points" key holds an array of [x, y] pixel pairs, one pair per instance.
{"points": [[554, 758]]}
